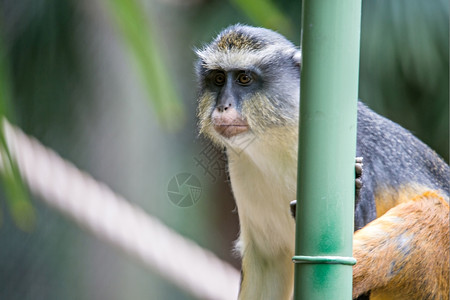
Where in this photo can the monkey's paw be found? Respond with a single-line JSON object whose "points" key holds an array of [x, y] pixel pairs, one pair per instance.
{"points": [[358, 175]]}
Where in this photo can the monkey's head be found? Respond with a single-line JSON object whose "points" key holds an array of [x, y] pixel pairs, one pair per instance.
{"points": [[249, 82]]}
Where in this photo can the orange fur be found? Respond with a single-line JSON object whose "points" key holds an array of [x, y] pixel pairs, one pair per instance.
{"points": [[389, 197], [404, 254]]}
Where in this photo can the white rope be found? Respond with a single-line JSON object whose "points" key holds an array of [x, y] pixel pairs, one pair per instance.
{"points": [[110, 217]]}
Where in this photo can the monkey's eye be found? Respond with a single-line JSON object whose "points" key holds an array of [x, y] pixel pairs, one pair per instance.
{"points": [[244, 79], [219, 78]]}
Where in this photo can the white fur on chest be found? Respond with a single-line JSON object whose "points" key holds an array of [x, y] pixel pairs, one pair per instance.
{"points": [[263, 179]]}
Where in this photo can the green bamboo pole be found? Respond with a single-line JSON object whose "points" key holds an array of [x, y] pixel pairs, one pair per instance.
{"points": [[327, 142]]}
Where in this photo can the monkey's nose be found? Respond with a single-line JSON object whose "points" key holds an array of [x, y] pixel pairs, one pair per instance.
{"points": [[223, 107]]}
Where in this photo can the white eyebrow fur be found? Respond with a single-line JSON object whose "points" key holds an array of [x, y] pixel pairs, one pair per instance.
{"points": [[241, 59]]}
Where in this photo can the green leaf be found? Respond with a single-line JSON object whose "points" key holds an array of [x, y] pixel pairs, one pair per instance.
{"points": [[17, 196], [131, 20], [265, 13]]}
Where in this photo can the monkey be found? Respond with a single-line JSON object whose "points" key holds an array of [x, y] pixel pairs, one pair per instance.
{"points": [[248, 103]]}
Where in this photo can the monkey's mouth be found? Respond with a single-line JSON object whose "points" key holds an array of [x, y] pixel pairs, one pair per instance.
{"points": [[229, 122], [230, 130]]}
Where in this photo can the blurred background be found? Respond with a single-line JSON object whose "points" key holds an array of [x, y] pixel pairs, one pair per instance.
{"points": [[109, 85]]}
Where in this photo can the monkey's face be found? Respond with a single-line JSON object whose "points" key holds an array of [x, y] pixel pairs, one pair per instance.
{"points": [[229, 89], [248, 84]]}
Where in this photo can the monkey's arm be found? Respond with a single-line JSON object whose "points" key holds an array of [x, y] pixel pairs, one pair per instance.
{"points": [[404, 253]]}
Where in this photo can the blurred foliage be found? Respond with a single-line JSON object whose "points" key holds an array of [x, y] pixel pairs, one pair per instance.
{"points": [[43, 59], [404, 70], [17, 196], [130, 17], [265, 13]]}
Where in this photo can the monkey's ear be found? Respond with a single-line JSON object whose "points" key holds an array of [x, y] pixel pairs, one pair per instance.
{"points": [[298, 57]]}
